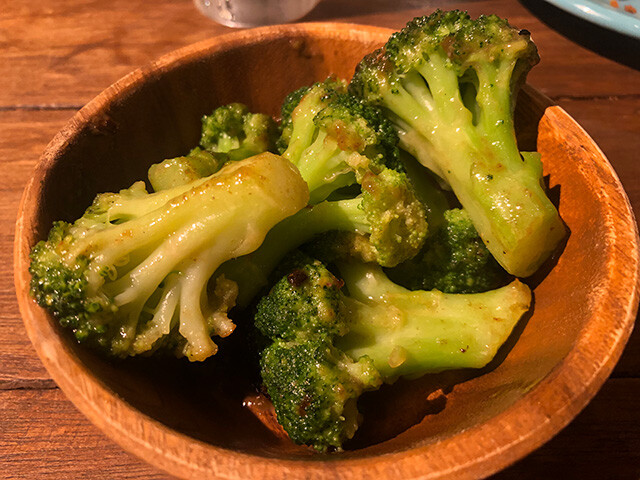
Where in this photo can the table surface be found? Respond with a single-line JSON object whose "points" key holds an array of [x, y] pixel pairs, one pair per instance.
{"points": [[55, 55]]}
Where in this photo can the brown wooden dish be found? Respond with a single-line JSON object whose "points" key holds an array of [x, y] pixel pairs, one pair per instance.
{"points": [[451, 425]]}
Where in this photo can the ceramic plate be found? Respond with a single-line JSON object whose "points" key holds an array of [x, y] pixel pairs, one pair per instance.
{"points": [[622, 16]]}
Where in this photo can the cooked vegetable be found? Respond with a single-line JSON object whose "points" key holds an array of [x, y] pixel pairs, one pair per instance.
{"points": [[132, 274], [173, 172], [234, 130], [453, 260], [329, 347], [230, 133], [334, 139], [448, 83], [338, 142]]}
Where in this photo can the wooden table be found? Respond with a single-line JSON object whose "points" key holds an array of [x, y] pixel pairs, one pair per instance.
{"points": [[55, 55]]}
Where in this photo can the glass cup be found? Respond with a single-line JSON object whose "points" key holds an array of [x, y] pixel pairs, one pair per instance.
{"points": [[253, 13]]}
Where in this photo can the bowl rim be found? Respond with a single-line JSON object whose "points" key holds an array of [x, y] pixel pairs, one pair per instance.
{"points": [[572, 383]]}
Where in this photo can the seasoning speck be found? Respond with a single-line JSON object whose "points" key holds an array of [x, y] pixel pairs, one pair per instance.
{"points": [[297, 278]]}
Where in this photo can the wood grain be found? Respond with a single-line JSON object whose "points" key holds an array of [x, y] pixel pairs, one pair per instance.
{"points": [[56, 55], [72, 448], [591, 458], [33, 449], [65, 48], [614, 124], [25, 133]]}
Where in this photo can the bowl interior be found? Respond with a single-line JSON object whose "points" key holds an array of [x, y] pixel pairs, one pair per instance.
{"points": [[155, 114]]}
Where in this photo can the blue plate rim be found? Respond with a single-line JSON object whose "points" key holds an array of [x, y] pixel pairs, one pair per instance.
{"points": [[601, 15]]}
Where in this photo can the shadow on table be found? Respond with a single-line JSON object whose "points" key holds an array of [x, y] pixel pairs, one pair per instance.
{"points": [[615, 46]]}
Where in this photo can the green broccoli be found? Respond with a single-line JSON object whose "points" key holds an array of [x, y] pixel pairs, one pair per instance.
{"points": [[230, 133], [313, 385], [286, 122], [453, 260], [132, 274], [232, 129], [198, 163], [386, 221], [328, 346], [448, 84], [334, 139]]}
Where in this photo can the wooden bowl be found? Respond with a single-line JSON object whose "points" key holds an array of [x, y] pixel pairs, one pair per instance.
{"points": [[196, 421]]}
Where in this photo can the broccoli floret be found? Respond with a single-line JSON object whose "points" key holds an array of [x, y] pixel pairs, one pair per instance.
{"points": [[335, 139], [314, 388], [313, 385], [132, 274], [453, 260], [177, 171], [290, 103], [449, 83], [235, 131], [287, 312], [386, 219], [230, 133], [332, 344]]}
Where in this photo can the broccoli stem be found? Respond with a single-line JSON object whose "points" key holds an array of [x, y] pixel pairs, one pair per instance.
{"points": [[502, 192], [163, 314], [303, 128], [427, 191], [323, 167], [144, 267], [251, 272], [409, 333]]}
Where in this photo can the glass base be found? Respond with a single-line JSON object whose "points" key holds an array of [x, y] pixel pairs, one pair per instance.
{"points": [[254, 13]]}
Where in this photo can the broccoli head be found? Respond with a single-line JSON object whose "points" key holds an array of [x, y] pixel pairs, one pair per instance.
{"points": [[448, 83], [330, 344], [314, 388], [313, 385], [232, 129], [453, 260], [335, 139], [286, 313], [132, 274], [230, 133]]}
